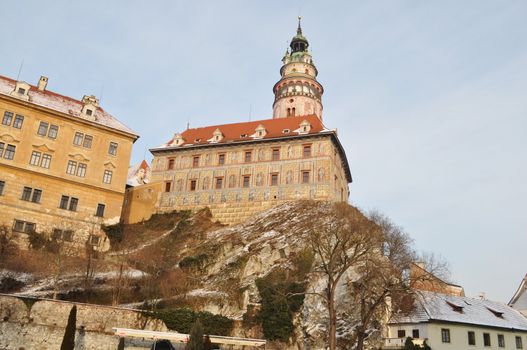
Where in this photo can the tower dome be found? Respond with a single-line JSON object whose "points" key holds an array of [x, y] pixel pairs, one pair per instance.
{"points": [[298, 92]]}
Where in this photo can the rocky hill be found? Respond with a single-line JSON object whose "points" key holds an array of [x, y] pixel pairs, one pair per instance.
{"points": [[246, 280]]}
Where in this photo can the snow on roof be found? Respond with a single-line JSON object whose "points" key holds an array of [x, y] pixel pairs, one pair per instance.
{"points": [[431, 306], [521, 289], [64, 104]]}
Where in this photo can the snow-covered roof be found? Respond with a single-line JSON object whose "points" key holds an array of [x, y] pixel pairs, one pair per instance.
{"points": [[430, 307], [519, 299], [64, 104]]}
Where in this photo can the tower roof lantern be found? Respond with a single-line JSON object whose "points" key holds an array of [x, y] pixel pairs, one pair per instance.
{"points": [[299, 42]]}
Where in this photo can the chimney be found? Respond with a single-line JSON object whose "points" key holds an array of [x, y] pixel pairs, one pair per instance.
{"points": [[42, 83]]}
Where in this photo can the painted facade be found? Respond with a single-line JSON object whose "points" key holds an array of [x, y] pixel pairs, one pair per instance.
{"points": [[63, 163], [240, 169]]}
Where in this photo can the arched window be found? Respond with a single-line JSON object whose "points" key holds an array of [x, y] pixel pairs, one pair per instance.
{"points": [[293, 111], [288, 112]]}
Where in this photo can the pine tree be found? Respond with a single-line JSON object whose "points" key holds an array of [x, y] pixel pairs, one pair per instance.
{"points": [[121, 344], [68, 342], [195, 341], [409, 344], [426, 346]]}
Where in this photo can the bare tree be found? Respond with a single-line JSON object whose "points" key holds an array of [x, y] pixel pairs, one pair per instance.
{"points": [[386, 280], [344, 240]]}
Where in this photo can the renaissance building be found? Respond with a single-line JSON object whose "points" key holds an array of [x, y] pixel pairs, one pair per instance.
{"points": [[240, 169], [63, 164]]}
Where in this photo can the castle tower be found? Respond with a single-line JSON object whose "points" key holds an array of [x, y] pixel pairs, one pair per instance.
{"points": [[298, 92]]}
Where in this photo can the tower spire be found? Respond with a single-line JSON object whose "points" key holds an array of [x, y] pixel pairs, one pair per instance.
{"points": [[299, 29]]}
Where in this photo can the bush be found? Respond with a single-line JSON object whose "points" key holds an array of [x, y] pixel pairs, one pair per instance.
{"points": [[193, 262], [181, 320], [280, 300]]}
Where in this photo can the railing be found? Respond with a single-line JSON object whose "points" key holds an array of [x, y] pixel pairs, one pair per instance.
{"points": [[398, 343]]}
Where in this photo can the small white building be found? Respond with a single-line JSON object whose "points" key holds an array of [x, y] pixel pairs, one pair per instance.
{"points": [[519, 300], [456, 323]]}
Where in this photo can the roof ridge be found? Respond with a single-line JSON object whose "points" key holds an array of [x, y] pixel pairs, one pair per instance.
{"points": [[256, 121]]}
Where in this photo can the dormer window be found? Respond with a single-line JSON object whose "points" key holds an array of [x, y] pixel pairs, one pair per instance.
{"points": [[242, 136], [496, 313], [21, 90], [455, 307], [305, 127], [197, 140], [217, 136], [178, 140], [90, 104], [286, 131], [89, 112], [260, 132]]}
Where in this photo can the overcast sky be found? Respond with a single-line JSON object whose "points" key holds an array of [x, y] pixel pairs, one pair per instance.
{"points": [[429, 98]]}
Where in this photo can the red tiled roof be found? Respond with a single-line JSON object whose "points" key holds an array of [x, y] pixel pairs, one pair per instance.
{"points": [[232, 132], [63, 104]]}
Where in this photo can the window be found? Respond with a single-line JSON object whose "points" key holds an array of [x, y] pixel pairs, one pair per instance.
{"points": [[24, 226], [486, 339], [53, 131], [89, 112], [35, 158], [107, 177], [77, 139], [21, 91], [112, 149], [221, 158], [307, 151], [87, 141], [305, 177], [62, 235], [46, 161], [274, 179], [2, 146], [246, 181], [2, 186], [195, 161], [43, 128], [37, 194], [31, 195], [100, 210], [276, 153], [471, 338], [168, 186], [219, 183], [73, 204], [519, 344], [445, 335], [72, 167], [248, 156], [9, 151], [401, 333], [19, 120], [171, 163], [193, 184], [81, 170], [8, 118], [26, 193], [64, 202], [501, 341], [415, 333]]}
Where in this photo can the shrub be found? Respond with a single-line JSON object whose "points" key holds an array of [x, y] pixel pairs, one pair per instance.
{"points": [[182, 319], [280, 300], [193, 262]]}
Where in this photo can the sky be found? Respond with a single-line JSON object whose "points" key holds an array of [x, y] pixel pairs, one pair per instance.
{"points": [[429, 98]]}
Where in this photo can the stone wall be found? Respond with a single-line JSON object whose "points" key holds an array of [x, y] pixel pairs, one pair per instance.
{"points": [[40, 324]]}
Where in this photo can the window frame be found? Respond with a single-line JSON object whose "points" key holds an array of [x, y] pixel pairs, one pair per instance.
{"points": [[519, 342], [486, 339], [78, 138], [218, 182], [272, 178], [55, 133], [308, 154], [45, 162], [9, 152], [18, 122], [445, 335], [193, 185], [246, 181], [401, 333], [275, 154], [471, 338], [99, 212], [107, 176], [195, 161], [81, 169], [304, 179], [2, 187], [71, 167], [248, 153], [221, 159], [7, 119], [88, 141], [171, 163], [168, 186], [43, 128], [35, 158], [501, 341], [415, 333], [112, 148]]}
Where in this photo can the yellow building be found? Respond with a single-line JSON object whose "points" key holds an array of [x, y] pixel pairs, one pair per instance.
{"points": [[238, 170], [63, 163]]}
